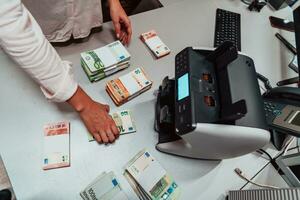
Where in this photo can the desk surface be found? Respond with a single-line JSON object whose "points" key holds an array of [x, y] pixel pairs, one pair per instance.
{"points": [[24, 110]]}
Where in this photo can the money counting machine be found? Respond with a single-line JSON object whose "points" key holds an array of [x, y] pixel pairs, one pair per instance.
{"points": [[213, 108]]}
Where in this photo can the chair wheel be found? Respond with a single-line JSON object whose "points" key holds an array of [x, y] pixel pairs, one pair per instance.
{"points": [[5, 194]]}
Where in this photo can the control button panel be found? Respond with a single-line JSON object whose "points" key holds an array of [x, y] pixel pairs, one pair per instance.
{"points": [[181, 63], [272, 110], [183, 112]]}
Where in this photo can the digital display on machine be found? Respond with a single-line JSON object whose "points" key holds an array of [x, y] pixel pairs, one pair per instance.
{"points": [[183, 87], [296, 119]]}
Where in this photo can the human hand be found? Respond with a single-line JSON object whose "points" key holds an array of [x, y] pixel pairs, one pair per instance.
{"points": [[121, 22], [95, 116]]}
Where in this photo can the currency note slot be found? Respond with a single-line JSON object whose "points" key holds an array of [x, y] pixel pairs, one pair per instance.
{"points": [[179, 109], [210, 101], [207, 77], [183, 107]]}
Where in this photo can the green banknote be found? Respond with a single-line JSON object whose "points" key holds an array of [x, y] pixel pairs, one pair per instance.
{"points": [[101, 74], [104, 61], [149, 179], [124, 123], [104, 187]]}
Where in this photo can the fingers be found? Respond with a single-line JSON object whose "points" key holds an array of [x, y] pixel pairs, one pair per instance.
{"points": [[97, 137], [117, 26], [128, 30], [115, 130], [122, 35], [110, 136], [107, 136], [104, 137], [107, 108], [123, 38], [123, 28]]}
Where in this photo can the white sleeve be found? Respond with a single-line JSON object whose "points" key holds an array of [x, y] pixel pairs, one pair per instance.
{"points": [[22, 39]]}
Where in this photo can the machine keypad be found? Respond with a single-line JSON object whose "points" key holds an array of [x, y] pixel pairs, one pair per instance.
{"points": [[272, 110]]}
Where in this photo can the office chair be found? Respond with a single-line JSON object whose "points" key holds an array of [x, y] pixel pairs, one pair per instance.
{"points": [[5, 194]]}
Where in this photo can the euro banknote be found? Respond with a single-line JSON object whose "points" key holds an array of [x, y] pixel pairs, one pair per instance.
{"points": [[149, 179], [124, 122], [128, 86], [56, 145], [104, 187]]}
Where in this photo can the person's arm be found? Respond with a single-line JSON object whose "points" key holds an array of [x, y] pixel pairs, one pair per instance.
{"points": [[95, 117], [22, 39], [120, 21]]}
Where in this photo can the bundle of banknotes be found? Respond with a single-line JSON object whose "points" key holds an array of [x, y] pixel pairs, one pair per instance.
{"points": [[56, 145], [104, 187], [124, 122], [128, 86], [104, 61], [149, 179], [155, 44]]}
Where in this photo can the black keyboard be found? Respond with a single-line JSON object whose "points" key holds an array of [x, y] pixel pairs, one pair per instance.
{"points": [[228, 28]]}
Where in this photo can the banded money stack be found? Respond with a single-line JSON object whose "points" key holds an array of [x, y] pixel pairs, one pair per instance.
{"points": [[124, 122], [56, 145], [104, 187], [156, 45], [102, 62], [128, 86], [149, 179]]}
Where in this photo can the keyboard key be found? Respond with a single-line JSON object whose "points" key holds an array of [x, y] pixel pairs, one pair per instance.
{"points": [[227, 28]]}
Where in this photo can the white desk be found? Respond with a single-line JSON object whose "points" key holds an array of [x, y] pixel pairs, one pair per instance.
{"points": [[24, 110]]}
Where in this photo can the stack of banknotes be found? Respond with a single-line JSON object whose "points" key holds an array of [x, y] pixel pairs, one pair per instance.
{"points": [[105, 61], [124, 122], [56, 145], [128, 86], [156, 45], [149, 179], [104, 187]]}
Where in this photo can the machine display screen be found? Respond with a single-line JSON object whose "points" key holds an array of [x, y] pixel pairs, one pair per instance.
{"points": [[296, 119], [183, 87]]}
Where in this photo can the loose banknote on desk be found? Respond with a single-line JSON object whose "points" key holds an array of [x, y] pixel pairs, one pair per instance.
{"points": [[154, 43], [128, 86], [149, 179], [105, 61], [104, 187], [56, 145], [124, 122]]}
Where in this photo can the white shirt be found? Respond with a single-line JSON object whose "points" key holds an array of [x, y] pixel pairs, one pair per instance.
{"points": [[22, 39]]}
